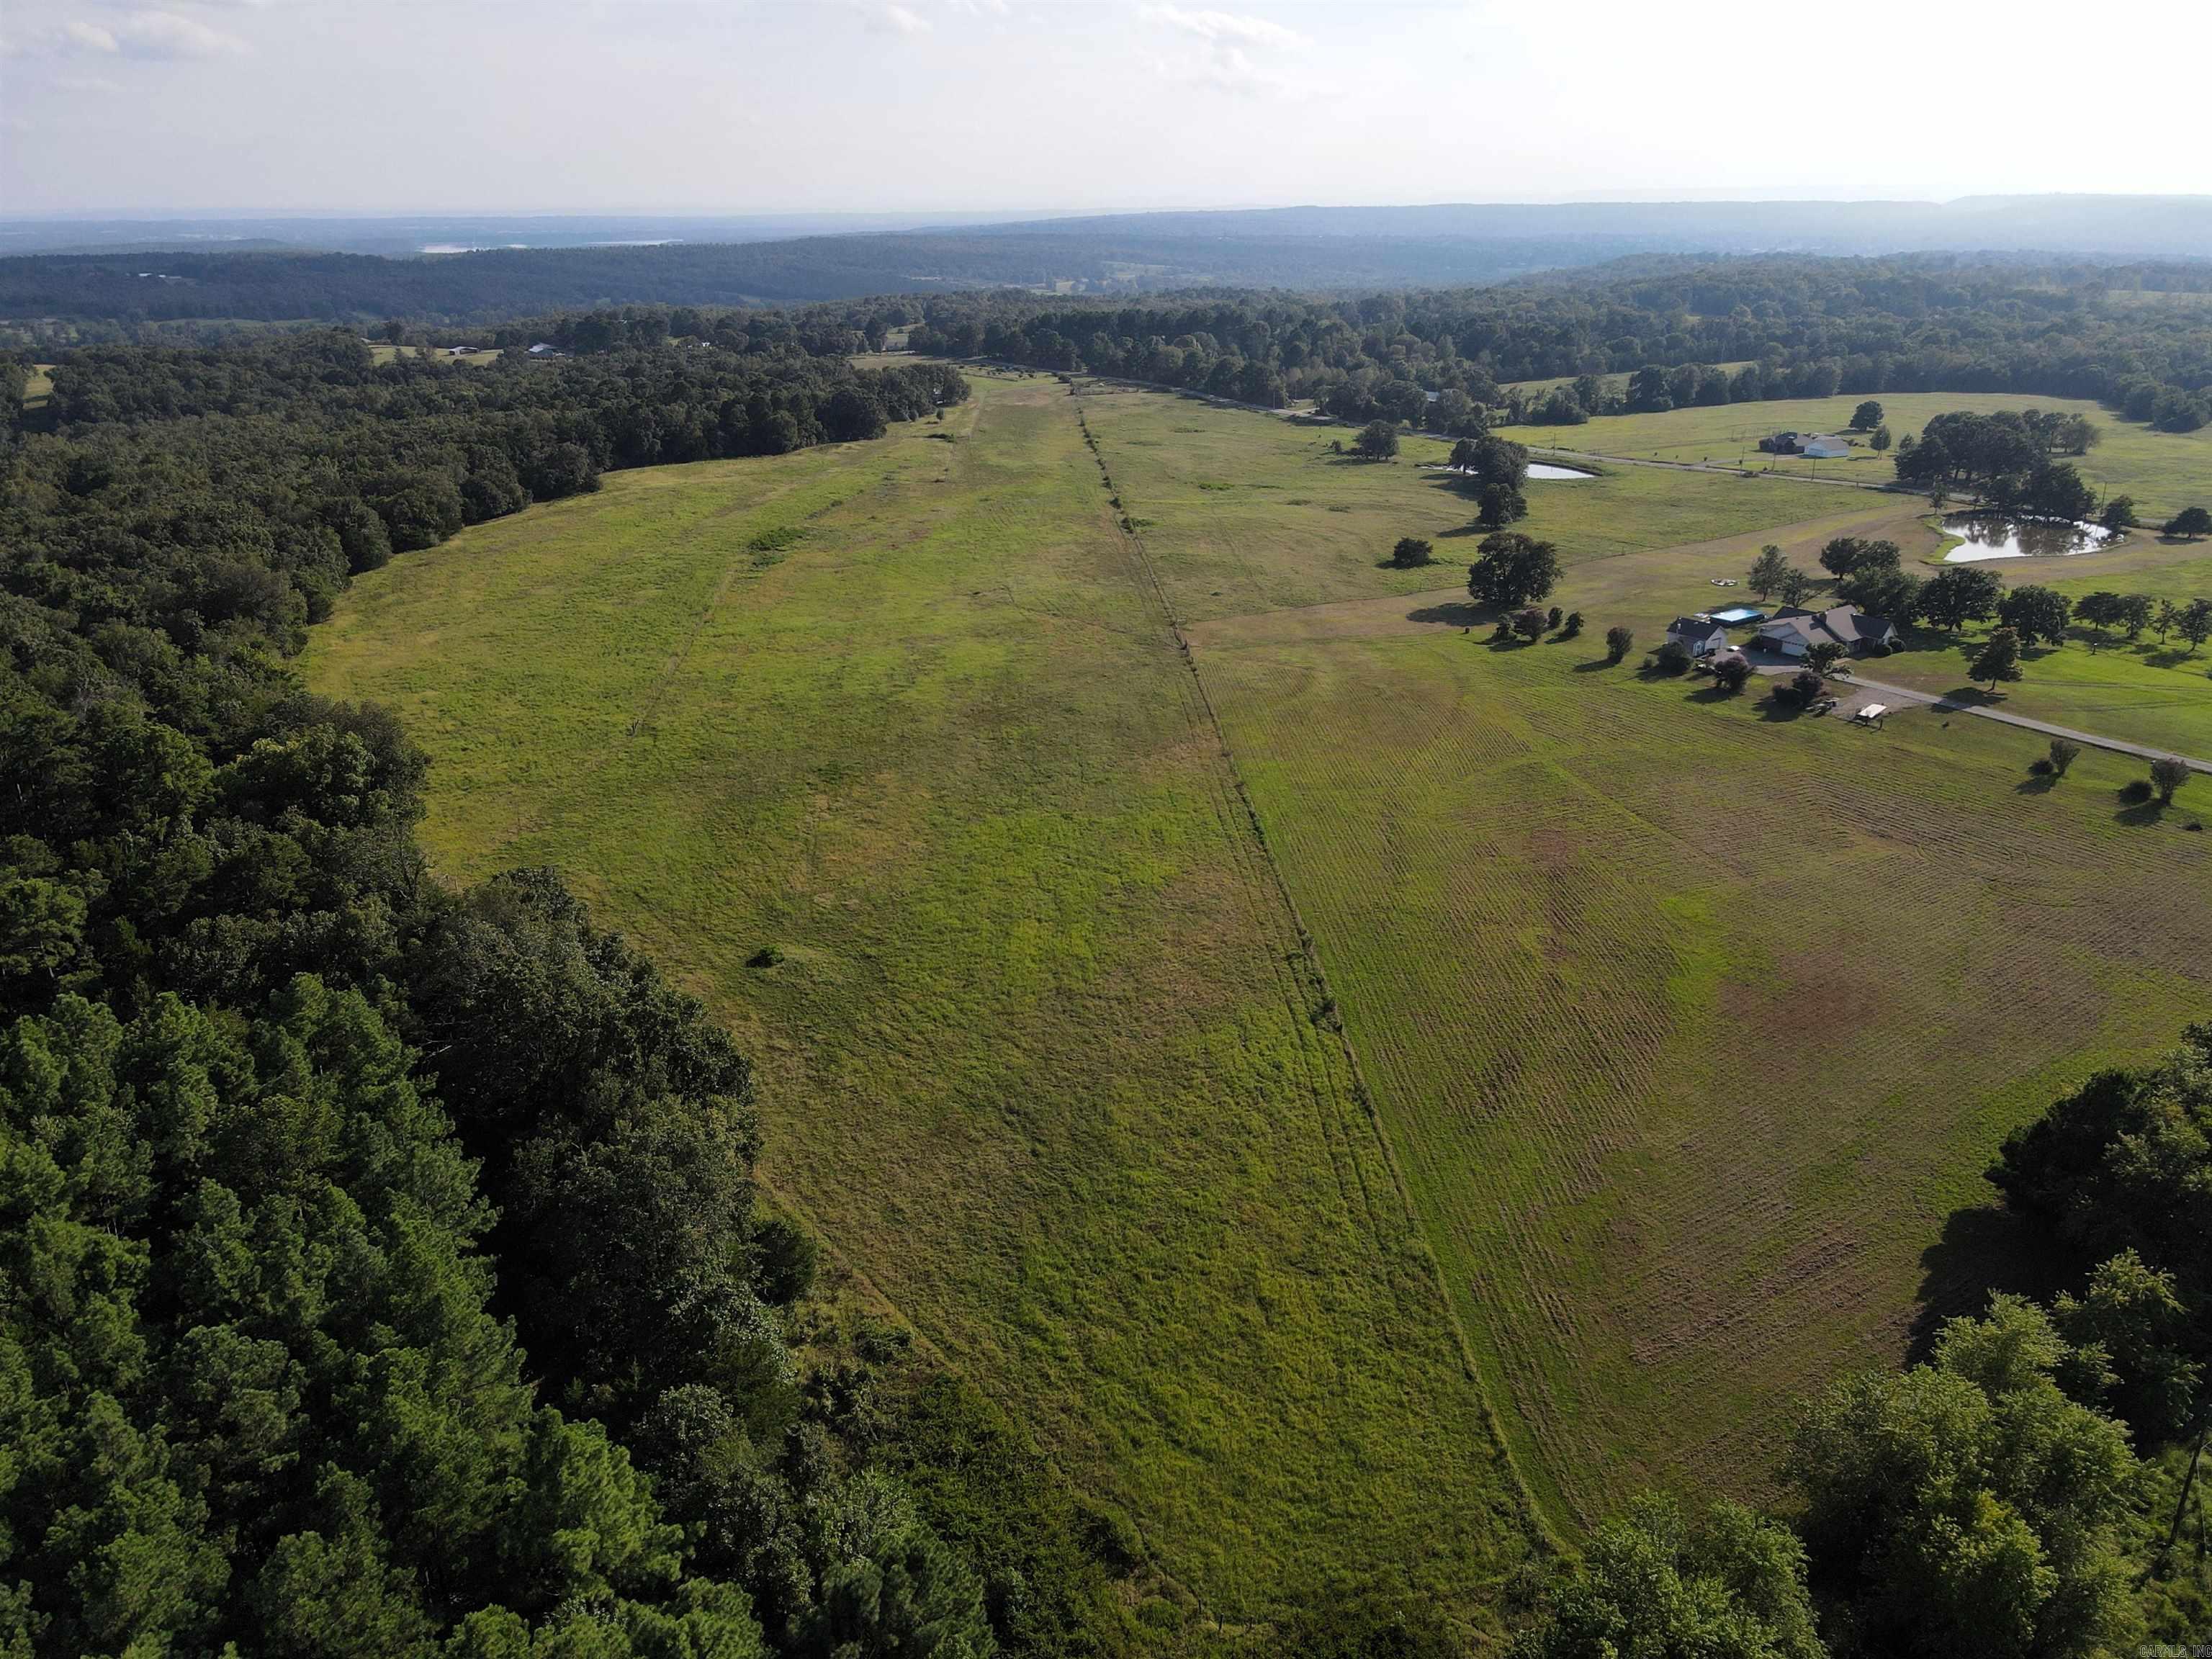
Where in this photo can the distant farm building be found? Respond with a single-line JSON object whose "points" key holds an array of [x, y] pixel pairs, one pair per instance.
{"points": [[1814, 446], [1794, 632]]}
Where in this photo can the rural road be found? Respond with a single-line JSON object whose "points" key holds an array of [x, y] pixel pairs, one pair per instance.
{"points": [[1950, 704]]}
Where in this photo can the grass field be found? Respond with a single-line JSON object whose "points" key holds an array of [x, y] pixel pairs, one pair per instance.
{"points": [[1040, 1058], [2164, 471], [1691, 1027], [385, 354], [1261, 526]]}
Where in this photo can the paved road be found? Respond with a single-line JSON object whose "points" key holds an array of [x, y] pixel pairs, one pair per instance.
{"points": [[1950, 704]]}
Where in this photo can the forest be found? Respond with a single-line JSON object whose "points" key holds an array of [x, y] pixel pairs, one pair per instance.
{"points": [[1711, 332], [384, 1271]]}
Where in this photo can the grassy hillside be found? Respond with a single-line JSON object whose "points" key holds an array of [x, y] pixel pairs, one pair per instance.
{"points": [[2165, 471], [1692, 1026], [1039, 1055]]}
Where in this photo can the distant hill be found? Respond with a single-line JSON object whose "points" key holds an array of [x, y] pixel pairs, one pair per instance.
{"points": [[734, 261]]}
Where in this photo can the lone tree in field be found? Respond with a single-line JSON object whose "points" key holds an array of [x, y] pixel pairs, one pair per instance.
{"points": [[2120, 514], [1530, 623], [1412, 551], [1999, 659], [2063, 754], [1881, 439], [2036, 614], [1767, 571], [1730, 672], [1619, 642], [2167, 775], [1959, 594], [1573, 627], [1867, 416], [2190, 523], [1797, 585], [1512, 571], [1378, 440]]}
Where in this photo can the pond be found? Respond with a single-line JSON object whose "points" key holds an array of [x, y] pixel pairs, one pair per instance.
{"points": [[2002, 536], [1546, 470]]}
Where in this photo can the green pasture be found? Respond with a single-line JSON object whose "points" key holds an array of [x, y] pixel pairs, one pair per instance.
{"points": [[1265, 516], [1692, 1026], [2164, 471], [886, 750]]}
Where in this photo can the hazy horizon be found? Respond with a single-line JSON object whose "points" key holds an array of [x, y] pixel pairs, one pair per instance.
{"points": [[756, 108]]}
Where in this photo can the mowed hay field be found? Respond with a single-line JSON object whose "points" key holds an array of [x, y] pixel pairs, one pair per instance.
{"points": [[1041, 1059], [2165, 471], [1692, 1027]]}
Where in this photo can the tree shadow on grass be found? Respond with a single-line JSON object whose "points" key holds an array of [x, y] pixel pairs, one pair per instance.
{"points": [[1454, 613], [1983, 1249], [1713, 691], [1780, 709], [1596, 665], [2036, 783], [2140, 813]]}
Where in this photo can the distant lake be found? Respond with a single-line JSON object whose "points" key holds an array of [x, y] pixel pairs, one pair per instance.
{"points": [[2002, 536], [1546, 470]]}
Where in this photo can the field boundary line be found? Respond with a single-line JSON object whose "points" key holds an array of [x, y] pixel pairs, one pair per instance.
{"points": [[1539, 1521]]}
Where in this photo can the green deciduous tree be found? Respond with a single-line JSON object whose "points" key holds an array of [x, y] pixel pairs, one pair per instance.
{"points": [[1998, 660], [2038, 615], [1660, 1584], [1959, 594], [1512, 571], [1378, 440], [1768, 571], [1967, 1505]]}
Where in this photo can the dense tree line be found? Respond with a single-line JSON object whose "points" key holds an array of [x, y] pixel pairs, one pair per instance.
{"points": [[381, 1271], [1797, 327]]}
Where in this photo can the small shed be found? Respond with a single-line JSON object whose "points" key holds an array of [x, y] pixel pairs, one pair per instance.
{"points": [[1820, 447]]}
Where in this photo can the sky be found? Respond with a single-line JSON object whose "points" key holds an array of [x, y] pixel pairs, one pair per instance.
{"points": [[735, 106]]}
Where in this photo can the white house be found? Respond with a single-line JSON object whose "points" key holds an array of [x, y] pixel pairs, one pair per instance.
{"points": [[1820, 447], [1699, 636]]}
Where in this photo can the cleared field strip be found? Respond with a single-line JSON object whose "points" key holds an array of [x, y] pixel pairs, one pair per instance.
{"points": [[1692, 1027], [1040, 1058]]}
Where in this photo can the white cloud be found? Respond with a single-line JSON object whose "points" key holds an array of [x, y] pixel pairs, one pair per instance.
{"points": [[1226, 52], [896, 20], [147, 35], [1225, 30]]}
